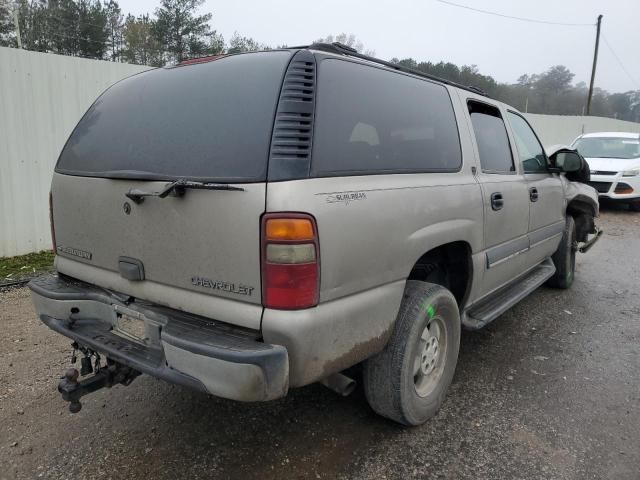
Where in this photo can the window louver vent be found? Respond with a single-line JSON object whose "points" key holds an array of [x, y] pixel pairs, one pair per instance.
{"points": [[290, 154]]}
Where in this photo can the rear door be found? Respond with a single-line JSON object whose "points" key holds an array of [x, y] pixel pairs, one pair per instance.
{"points": [[546, 193], [199, 251], [505, 196]]}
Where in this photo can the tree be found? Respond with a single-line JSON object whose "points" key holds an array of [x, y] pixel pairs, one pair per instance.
{"points": [[66, 27], [349, 40], [7, 29], [556, 80], [115, 29], [140, 44], [465, 75], [33, 23], [181, 32], [61, 19], [216, 45], [92, 29], [240, 44]]}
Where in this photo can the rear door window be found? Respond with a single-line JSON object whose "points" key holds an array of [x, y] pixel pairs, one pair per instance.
{"points": [[491, 138], [369, 120], [209, 121]]}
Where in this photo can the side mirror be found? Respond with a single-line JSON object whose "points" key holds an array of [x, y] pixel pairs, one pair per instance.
{"points": [[567, 161]]}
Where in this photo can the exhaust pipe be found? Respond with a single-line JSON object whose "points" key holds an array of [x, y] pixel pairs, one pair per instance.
{"points": [[339, 383]]}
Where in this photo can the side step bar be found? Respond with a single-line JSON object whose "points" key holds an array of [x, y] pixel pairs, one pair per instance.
{"points": [[584, 248], [491, 308]]}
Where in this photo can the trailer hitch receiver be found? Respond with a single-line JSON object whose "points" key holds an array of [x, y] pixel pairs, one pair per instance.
{"points": [[112, 374]]}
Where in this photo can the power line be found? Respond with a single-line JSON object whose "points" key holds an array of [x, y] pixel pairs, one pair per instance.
{"points": [[633, 80], [522, 19]]}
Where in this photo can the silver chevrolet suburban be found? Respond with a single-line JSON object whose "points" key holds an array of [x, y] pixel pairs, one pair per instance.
{"points": [[250, 223]]}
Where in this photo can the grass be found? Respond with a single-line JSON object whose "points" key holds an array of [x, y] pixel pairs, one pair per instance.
{"points": [[23, 266]]}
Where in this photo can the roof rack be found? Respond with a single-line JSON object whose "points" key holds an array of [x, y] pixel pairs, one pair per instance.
{"points": [[342, 49]]}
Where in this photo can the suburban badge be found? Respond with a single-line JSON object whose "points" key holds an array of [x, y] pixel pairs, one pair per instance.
{"points": [[76, 252]]}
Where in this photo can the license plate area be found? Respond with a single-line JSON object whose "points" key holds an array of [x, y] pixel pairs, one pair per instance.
{"points": [[135, 326], [130, 328]]}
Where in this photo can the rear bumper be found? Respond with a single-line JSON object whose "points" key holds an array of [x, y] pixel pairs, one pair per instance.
{"points": [[217, 358]]}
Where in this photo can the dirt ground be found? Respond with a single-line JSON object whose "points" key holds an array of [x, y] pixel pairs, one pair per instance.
{"points": [[549, 390]]}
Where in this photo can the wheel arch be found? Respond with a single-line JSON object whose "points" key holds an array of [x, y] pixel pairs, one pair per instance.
{"points": [[583, 211], [450, 265]]}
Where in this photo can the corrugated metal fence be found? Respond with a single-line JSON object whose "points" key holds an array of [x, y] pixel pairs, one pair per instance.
{"points": [[42, 97]]}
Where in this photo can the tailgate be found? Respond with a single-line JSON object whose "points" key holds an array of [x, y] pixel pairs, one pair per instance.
{"points": [[206, 242]]}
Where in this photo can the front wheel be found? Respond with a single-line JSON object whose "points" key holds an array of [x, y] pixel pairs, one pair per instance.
{"points": [[565, 257], [408, 380]]}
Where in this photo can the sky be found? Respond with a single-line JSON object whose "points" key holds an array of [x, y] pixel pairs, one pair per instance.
{"points": [[430, 30]]}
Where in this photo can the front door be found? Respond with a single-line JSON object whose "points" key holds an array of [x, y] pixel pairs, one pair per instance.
{"points": [[546, 194]]}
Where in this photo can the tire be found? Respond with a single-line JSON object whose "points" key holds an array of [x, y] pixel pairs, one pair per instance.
{"points": [[634, 206], [565, 257], [390, 386]]}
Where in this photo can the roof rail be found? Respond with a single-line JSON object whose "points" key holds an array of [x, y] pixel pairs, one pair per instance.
{"points": [[342, 49]]}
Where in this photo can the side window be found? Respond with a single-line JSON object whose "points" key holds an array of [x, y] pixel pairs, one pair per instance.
{"points": [[371, 121], [491, 138], [529, 149]]}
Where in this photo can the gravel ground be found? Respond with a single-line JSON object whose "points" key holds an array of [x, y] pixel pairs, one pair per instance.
{"points": [[549, 390]]}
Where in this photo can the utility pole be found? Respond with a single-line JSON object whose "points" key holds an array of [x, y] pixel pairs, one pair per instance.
{"points": [[17, 24], [595, 61]]}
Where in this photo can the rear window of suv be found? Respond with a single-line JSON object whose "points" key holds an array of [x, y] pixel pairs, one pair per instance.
{"points": [[369, 120], [210, 121]]}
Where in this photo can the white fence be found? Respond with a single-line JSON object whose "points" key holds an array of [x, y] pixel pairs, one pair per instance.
{"points": [[42, 97]]}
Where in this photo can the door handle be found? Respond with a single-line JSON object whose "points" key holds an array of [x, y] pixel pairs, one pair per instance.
{"points": [[497, 202], [533, 194]]}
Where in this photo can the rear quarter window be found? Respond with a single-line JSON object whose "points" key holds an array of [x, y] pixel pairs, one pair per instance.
{"points": [[370, 120]]}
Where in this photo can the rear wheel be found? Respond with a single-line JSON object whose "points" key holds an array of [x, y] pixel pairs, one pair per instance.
{"points": [[565, 257], [408, 380]]}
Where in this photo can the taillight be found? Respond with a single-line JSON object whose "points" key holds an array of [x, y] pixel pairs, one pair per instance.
{"points": [[53, 232], [290, 261]]}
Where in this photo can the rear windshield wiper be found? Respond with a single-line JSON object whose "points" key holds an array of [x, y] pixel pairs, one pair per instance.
{"points": [[178, 188]]}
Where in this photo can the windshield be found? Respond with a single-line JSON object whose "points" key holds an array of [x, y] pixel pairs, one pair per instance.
{"points": [[608, 147], [210, 121]]}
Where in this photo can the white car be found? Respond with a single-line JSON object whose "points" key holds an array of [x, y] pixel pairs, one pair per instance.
{"points": [[614, 161]]}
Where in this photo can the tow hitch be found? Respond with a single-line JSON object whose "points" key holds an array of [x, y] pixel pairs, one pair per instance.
{"points": [[108, 375]]}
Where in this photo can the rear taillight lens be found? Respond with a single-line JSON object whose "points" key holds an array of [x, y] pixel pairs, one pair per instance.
{"points": [[53, 232], [290, 261]]}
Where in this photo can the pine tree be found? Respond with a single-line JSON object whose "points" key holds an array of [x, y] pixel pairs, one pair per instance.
{"points": [[182, 33], [115, 30], [7, 28], [140, 43]]}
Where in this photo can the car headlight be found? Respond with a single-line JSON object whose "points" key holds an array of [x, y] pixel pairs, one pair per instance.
{"points": [[631, 173]]}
